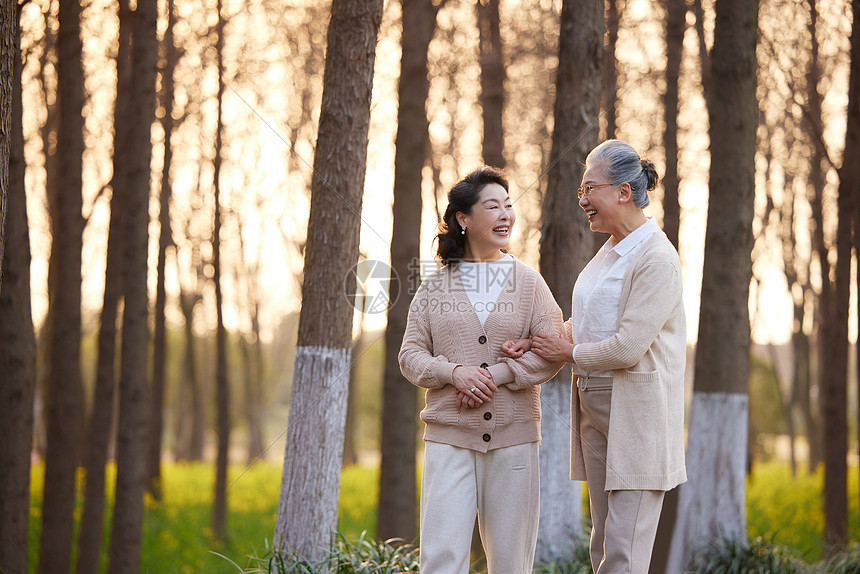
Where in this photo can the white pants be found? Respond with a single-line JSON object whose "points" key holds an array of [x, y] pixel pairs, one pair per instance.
{"points": [[502, 486], [624, 522]]}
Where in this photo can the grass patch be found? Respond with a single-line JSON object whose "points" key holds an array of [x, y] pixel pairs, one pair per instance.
{"points": [[177, 539]]}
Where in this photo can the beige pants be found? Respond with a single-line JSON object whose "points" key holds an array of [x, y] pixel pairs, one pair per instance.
{"points": [[502, 486], [624, 522]]}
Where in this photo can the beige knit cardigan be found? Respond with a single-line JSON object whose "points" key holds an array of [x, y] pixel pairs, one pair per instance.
{"points": [[645, 448], [443, 331]]}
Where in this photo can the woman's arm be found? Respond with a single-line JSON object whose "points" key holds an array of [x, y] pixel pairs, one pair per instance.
{"points": [[530, 369], [417, 362], [655, 293]]}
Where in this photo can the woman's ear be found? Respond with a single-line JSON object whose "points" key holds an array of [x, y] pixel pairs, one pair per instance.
{"points": [[461, 218], [626, 193]]}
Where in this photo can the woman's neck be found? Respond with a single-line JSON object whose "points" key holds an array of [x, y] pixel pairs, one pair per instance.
{"points": [[485, 257]]}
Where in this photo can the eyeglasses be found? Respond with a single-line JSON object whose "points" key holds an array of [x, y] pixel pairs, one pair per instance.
{"points": [[586, 190]]}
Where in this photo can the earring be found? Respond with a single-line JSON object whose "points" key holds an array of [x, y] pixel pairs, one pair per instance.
{"points": [[463, 231]]}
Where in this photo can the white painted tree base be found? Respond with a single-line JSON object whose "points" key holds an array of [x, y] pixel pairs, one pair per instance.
{"points": [[712, 502], [560, 498], [307, 507]]}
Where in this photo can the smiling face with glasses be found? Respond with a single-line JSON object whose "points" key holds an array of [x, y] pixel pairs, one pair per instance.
{"points": [[610, 211]]}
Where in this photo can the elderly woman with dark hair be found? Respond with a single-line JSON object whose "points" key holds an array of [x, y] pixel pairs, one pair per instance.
{"points": [[626, 339], [482, 411]]}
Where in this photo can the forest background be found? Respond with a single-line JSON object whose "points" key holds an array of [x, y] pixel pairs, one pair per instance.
{"points": [[221, 223]]}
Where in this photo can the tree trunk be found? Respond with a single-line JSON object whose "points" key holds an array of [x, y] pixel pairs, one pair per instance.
{"points": [[102, 414], [124, 555], [834, 380], [10, 34], [712, 502], [816, 181], [64, 378], [676, 14], [610, 69], [566, 247], [222, 388], [190, 416], [492, 61], [307, 508], [17, 353], [165, 241], [400, 398]]}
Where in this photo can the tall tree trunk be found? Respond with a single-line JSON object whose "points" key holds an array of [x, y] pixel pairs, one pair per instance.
{"points": [[819, 245], [712, 502], [9, 33], [124, 555], [307, 508], [64, 379], [17, 352], [102, 413], [492, 61], [676, 14], [565, 248], [222, 388], [834, 380], [610, 69], [189, 417], [399, 397], [165, 241]]}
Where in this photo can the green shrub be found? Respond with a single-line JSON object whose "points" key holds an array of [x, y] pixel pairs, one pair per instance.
{"points": [[580, 563], [756, 556], [845, 562], [364, 556]]}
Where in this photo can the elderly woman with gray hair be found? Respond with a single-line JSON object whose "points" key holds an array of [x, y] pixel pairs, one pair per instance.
{"points": [[626, 339]]}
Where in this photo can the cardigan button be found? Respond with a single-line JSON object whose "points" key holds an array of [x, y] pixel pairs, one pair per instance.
{"points": [[487, 416], [486, 437], [482, 339], [484, 365]]}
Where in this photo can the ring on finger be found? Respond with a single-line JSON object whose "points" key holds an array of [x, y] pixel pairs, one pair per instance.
{"points": [[473, 389]]}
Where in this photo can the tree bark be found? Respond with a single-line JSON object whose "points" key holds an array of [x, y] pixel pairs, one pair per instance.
{"points": [[565, 248], [17, 352], [222, 388], [816, 182], [9, 35], [397, 491], [64, 378], [124, 555], [307, 508], [102, 414], [610, 69], [834, 380], [676, 14], [712, 502], [492, 96], [165, 242]]}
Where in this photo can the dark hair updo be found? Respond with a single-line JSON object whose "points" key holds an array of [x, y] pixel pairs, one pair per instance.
{"points": [[463, 196]]}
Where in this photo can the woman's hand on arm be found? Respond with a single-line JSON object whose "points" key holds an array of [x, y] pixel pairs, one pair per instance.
{"points": [[553, 348], [474, 386], [515, 348]]}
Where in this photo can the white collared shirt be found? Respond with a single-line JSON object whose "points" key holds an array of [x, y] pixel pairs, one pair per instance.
{"points": [[483, 282], [597, 292]]}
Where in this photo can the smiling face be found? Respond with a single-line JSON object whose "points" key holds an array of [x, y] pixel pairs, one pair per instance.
{"points": [[604, 206], [489, 226]]}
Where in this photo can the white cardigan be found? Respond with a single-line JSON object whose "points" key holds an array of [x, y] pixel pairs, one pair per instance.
{"points": [[645, 448]]}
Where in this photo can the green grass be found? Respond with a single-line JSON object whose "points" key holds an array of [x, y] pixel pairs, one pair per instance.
{"points": [[788, 511], [177, 538]]}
